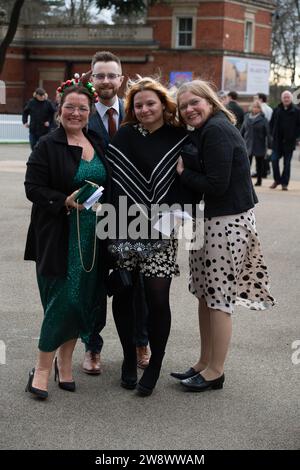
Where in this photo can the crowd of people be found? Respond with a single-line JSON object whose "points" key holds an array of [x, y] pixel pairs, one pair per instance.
{"points": [[151, 150], [269, 134]]}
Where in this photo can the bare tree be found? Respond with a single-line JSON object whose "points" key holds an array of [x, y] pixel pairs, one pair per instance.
{"points": [[286, 39], [11, 31]]}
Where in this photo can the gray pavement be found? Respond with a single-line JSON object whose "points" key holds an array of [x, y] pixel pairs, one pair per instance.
{"points": [[259, 405]]}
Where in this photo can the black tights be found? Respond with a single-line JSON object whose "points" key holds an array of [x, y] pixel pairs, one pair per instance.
{"points": [[159, 323]]}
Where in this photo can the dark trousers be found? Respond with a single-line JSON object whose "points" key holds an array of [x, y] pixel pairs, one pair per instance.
{"points": [[259, 160], [33, 139], [284, 177], [140, 313]]}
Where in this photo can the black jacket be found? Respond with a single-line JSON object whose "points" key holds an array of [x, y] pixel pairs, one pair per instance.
{"points": [[220, 168], [285, 128], [49, 180], [238, 111], [39, 112], [256, 134]]}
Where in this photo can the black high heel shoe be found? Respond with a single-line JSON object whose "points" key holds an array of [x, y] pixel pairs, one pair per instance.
{"points": [[129, 374], [43, 394], [69, 386]]}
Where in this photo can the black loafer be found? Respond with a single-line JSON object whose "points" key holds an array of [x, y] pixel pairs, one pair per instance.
{"points": [[197, 383], [184, 375]]}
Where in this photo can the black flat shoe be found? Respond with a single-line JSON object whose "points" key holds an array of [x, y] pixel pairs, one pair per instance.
{"points": [[42, 394], [197, 383], [68, 386], [184, 375]]}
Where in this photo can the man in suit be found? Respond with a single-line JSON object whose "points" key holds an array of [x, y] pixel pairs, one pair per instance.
{"points": [[285, 130], [107, 78], [235, 108]]}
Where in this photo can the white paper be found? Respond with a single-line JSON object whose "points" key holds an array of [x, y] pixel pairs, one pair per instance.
{"points": [[93, 198], [170, 220]]}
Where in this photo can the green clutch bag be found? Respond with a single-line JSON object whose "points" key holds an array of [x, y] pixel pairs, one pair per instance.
{"points": [[86, 191]]}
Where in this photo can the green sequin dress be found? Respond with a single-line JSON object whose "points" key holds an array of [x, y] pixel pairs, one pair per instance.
{"points": [[72, 305]]}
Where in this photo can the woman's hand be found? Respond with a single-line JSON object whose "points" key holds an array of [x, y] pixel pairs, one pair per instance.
{"points": [[70, 202], [180, 166]]}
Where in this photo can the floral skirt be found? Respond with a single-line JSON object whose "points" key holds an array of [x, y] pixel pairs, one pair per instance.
{"points": [[161, 264], [230, 269]]}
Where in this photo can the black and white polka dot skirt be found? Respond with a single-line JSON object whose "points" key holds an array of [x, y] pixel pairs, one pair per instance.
{"points": [[229, 269]]}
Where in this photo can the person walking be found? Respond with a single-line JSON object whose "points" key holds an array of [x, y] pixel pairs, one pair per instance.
{"points": [[70, 261], [235, 108], [256, 133], [41, 113], [229, 269], [285, 129]]}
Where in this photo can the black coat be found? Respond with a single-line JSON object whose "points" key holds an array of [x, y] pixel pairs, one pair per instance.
{"points": [[238, 111], [257, 136], [220, 169], [285, 128], [39, 112], [49, 180]]}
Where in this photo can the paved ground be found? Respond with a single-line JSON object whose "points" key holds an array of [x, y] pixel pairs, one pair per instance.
{"points": [[259, 405]]}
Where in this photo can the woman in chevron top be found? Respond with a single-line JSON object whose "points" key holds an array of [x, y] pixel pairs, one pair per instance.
{"points": [[143, 157]]}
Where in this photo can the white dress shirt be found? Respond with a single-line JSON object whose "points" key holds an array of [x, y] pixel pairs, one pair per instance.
{"points": [[102, 109]]}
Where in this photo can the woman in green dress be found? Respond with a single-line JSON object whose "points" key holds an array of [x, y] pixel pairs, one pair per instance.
{"points": [[70, 260]]}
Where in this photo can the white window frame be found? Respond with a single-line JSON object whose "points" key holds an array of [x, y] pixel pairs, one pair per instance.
{"points": [[248, 41], [191, 32]]}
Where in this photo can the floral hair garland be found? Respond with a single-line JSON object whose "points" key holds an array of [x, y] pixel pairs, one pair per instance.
{"points": [[76, 82]]}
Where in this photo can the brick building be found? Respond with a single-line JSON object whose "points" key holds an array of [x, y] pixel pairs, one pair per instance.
{"points": [[227, 42]]}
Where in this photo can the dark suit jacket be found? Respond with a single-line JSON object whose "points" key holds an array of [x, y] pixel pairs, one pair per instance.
{"points": [[238, 111], [49, 180], [97, 126], [220, 168]]}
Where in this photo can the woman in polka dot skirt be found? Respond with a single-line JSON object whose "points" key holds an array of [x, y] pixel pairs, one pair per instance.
{"points": [[229, 269]]}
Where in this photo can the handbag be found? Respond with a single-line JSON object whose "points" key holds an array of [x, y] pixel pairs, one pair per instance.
{"points": [[86, 191], [119, 280]]}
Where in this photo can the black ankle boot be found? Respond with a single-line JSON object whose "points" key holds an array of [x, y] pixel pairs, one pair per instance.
{"points": [[149, 378], [129, 373]]}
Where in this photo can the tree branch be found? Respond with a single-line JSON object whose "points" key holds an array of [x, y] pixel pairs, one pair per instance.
{"points": [[11, 31]]}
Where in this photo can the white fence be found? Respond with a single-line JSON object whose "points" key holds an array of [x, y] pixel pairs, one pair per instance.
{"points": [[12, 129]]}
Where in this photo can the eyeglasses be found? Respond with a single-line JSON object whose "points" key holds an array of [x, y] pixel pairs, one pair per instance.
{"points": [[81, 109], [109, 76]]}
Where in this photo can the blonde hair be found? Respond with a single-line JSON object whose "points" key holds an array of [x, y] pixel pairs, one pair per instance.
{"points": [[204, 89], [149, 84]]}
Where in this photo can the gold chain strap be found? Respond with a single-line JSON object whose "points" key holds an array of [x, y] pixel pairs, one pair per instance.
{"points": [[87, 270]]}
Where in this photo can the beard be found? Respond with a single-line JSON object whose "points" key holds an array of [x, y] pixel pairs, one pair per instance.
{"points": [[106, 93]]}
